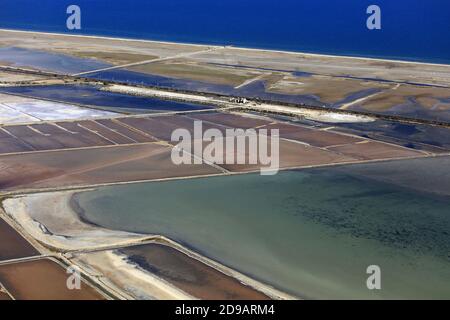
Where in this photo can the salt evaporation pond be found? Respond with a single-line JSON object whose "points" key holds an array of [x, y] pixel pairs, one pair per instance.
{"points": [[311, 233], [93, 96]]}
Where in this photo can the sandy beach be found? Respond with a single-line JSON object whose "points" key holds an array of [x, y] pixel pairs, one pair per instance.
{"points": [[202, 45]]}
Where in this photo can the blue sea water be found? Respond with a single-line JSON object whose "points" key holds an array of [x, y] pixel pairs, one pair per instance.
{"points": [[411, 30]]}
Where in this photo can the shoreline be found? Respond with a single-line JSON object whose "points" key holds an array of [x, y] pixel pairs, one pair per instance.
{"points": [[349, 57]]}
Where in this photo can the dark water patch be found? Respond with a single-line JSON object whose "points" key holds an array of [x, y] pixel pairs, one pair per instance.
{"points": [[406, 129], [46, 61], [257, 90], [412, 146], [412, 109], [355, 96], [302, 74], [254, 90], [401, 133], [188, 274], [416, 226], [91, 95]]}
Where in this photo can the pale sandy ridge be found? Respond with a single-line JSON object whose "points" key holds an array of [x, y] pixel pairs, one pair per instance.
{"points": [[57, 226], [124, 276], [319, 115]]}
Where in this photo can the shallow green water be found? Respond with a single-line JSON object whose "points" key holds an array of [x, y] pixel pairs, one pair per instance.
{"points": [[310, 233]]}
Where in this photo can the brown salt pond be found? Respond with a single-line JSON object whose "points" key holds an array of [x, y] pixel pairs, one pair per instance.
{"points": [[13, 245], [338, 146], [372, 150], [93, 166], [291, 155], [9, 145], [300, 147], [126, 131], [307, 146], [313, 136], [162, 127], [4, 296], [106, 132], [42, 280], [188, 274]]}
